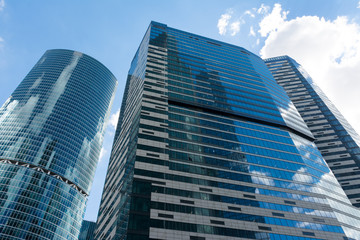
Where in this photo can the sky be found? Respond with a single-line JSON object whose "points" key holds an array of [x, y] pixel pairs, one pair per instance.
{"points": [[321, 35]]}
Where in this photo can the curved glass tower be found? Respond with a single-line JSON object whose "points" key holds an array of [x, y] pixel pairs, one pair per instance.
{"points": [[51, 132]]}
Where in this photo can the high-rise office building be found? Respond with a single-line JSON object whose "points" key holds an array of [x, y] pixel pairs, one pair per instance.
{"points": [[87, 230], [335, 138], [51, 132], [209, 146]]}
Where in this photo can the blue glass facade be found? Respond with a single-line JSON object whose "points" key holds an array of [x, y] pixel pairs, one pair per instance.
{"points": [[335, 138], [51, 131], [87, 230], [209, 146]]}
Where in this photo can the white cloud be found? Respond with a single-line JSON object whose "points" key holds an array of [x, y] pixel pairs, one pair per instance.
{"points": [[252, 32], [273, 20], [263, 9], [248, 12], [2, 5], [102, 153], [114, 119], [230, 22], [329, 50], [358, 5], [2, 44], [235, 28], [223, 22]]}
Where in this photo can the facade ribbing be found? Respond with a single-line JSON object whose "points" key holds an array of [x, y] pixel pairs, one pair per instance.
{"points": [[209, 146], [51, 131], [335, 138]]}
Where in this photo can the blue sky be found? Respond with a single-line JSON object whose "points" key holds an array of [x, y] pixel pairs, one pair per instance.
{"points": [[322, 35]]}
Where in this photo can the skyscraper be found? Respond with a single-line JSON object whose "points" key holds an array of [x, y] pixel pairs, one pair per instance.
{"points": [[209, 146], [87, 230], [335, 138], [51, 131]]}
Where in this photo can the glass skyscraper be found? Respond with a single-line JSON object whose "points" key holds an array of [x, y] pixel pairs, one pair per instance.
{"points": [[87, 230], [209, 146], [335, 138], [51, 132]]}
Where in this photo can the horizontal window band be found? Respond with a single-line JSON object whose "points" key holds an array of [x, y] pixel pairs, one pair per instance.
{"points": [[238, 117]]}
